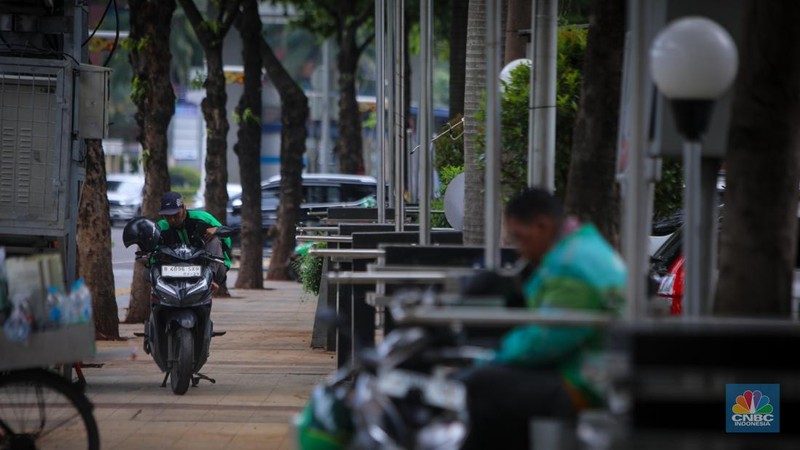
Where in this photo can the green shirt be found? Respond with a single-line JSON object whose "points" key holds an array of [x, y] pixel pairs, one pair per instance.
{"points": [[184, 233]]}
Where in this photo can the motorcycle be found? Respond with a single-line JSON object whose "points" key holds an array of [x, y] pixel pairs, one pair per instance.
{"points": [[178, 333], [398, 395]]}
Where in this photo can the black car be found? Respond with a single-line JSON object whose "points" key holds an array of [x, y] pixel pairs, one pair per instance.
{"points": [[319, 191]]}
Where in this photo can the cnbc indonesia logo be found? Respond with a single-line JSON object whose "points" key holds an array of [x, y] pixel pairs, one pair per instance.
{"points": [[752, 410]]}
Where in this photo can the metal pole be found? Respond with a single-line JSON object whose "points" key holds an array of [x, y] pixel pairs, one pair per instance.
{"points": [[635, 194], [425, 102], [545, 52], [389, 61], [400, 120], [492, 204], [325, 142], [380, 105], [533, 162], [691, 229]]}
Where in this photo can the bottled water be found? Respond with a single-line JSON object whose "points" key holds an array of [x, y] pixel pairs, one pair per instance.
{"points": [[18, 325], [81, 299], [54, 306]]}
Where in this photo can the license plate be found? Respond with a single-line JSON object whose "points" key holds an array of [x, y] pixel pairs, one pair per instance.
{"points": [[437, 391], [180, 271]]}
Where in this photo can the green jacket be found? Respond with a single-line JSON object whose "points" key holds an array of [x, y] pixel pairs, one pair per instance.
{"points": [[581, 272], [192, 232]]}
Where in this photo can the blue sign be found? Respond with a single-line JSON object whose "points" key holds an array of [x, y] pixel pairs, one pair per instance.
{"points": [[753, 408]]}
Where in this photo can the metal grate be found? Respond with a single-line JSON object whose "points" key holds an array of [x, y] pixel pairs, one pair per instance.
{"points": [[30, 156]]}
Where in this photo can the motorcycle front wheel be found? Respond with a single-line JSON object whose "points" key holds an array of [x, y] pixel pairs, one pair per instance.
{"points": [[181, 372]]}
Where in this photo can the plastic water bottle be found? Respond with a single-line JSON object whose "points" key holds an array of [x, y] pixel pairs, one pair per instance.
{"points": [[18, 325], [53, 306], [81, 299]]}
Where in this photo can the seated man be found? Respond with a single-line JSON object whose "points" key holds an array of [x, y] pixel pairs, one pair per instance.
{"points": [[539, 370], [195, 228]]}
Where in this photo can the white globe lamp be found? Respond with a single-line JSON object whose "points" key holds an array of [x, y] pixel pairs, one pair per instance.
{"points": [[693, 62]]}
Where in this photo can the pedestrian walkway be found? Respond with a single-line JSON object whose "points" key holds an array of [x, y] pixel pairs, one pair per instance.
{"points": [[264, 368]]}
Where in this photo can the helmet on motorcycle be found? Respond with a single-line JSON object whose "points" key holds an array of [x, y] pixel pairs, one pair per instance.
{"points": [[143, 232], [325, 423]]}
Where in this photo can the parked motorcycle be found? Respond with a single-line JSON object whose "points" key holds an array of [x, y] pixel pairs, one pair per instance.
{"points": [[395, 396], [179, 331]]}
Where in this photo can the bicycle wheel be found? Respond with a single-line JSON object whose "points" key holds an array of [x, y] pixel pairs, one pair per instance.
{"points": [[41, 410]]}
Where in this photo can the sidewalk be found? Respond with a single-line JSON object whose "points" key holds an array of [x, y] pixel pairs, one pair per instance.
{"points": [[263, 366]]}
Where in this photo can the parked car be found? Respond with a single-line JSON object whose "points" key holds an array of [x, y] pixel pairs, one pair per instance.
{"points": [[319, 191], [125, 196]]}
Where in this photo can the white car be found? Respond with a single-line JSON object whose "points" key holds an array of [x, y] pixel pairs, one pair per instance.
{"points": [[124, 193]]}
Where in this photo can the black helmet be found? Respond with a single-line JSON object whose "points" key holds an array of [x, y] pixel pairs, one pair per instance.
{"points": [[143, 232]]}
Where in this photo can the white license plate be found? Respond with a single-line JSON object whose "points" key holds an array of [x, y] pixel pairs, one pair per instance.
{"points": [[437, 391], [180, 271]]}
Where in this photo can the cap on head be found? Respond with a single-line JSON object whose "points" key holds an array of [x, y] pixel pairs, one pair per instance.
{"points": [[171, 204]]}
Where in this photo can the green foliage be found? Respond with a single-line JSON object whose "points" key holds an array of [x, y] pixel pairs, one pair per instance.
{"points": [[198, 81], [446, 175], [668, 196], [184, 180], [309, 268], [449, 149], [514, 120], [250, 118], [138, 89]]}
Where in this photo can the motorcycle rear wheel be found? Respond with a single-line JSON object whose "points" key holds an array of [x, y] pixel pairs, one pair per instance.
{"points": [[181, 372]]}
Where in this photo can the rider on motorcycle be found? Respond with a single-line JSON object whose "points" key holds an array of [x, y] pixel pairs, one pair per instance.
{"points": [[538, 369], [195, 228]]}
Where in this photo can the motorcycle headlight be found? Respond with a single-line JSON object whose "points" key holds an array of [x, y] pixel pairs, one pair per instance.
{"points": [[200, 286], [165, 288]]}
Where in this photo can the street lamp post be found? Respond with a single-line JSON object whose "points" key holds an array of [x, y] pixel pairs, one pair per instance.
{"points": [[693, 61]]}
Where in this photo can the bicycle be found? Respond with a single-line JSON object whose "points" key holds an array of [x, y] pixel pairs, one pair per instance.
{"points": [[40, 409]]}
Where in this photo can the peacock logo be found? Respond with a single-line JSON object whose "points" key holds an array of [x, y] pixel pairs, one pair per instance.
{"points": [[754, 408], [752, 402]]}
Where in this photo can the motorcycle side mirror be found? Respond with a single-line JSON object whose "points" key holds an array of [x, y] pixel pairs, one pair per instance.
{"points": [[225, 231]]}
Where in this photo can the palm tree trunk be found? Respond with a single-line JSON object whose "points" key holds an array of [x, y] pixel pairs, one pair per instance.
{"points": [[458, 55], [592, 191], [155, 101], [475, 85], [94, 242], [248, 149], [294, 115], [758, 238], [349, 146]]}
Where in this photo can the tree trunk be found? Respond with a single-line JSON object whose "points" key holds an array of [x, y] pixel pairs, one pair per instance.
{"points": [[348, 147], [294, 115], [211, 34], [155, 101], [248, 149], [518, 17], [94, 243], [458, 54], [475, 86], [758, 239], [216, 117], [592, 191]]}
